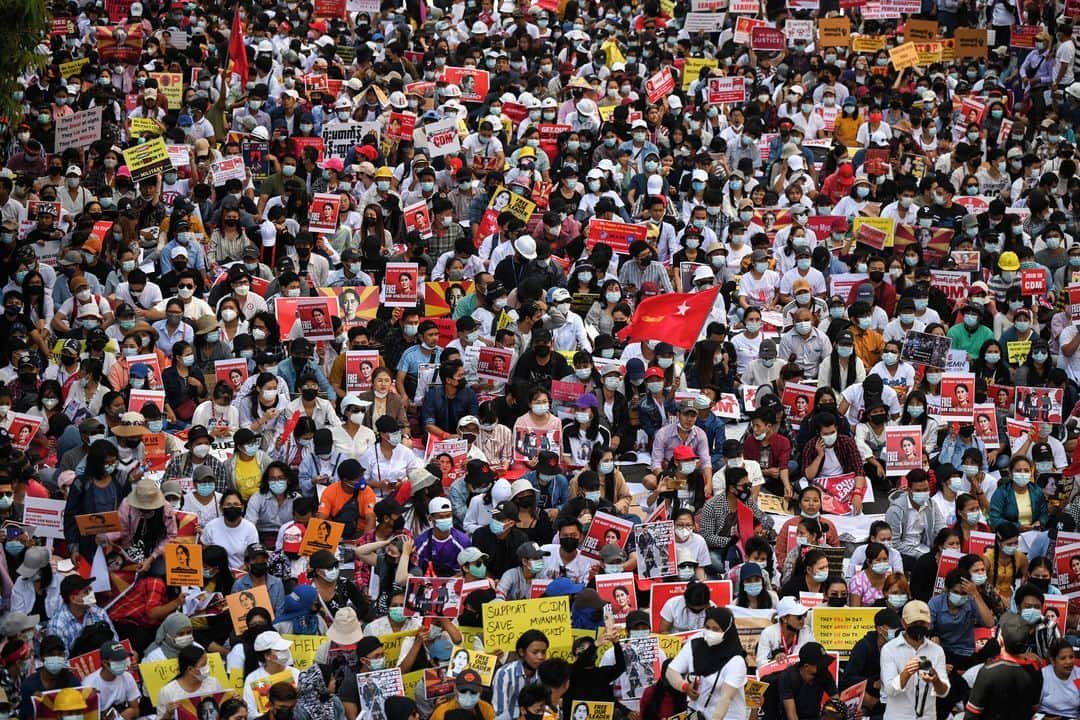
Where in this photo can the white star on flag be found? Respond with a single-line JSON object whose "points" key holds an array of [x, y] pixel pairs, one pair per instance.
{"points": [[682, 308]]}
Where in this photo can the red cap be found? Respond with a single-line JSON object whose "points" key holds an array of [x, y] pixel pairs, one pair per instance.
{"points": [[683, 452], [292, 537], [654, 371]]}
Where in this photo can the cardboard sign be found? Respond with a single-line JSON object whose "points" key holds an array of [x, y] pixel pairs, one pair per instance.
{"points": [[834, 32], [46, 516], [183, 565], [99, 523], [969, 42], [921, 29], [228, 168], [660, 85], [839, 629], [505, 622], [904, 56], [147, 160], [440, 138], [868, 43], [321, 535]]}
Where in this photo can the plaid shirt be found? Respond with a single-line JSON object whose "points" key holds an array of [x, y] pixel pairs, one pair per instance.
{"points": [[847, 454], [714, 517], [181, 466], [68, 627], [132, 608]]}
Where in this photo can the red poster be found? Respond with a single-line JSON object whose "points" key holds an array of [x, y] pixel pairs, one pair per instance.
{"points": [[359, 367], [720, 592], [767, 39], [401, 126], [418, 218], [330, 9], [1023, 36], [307, 317], [903, 449], [618, 590], [494, 364], [1037, 404], [323, 213], [617, 235], [1033, 282], [1067, 570], [1003, 397], [472, 81], [660, 85], [22, 429], [727, 90], [231, 372], [798, 400], [441, 297], [836, 493], [1074, 303], [399, 286], [958, 397], [948, 562], [986, 425]]}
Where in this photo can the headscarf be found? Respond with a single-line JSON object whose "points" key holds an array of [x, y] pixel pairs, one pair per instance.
{"points": [[711, 659], [298, 606], [166, 634], [312, 695]]}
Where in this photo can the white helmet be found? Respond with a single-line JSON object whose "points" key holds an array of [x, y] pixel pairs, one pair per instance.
{"points": [[398, 101]]}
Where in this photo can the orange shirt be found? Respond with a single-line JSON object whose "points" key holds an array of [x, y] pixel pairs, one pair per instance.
{"points": [[335, 497]]}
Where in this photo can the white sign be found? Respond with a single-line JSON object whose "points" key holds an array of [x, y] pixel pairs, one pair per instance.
{"points": [[704, 22], [45, 516], [179, 155], [708, 5], [958, 361], [745, 7], [440, 138], [78, 130], [341, 137], [228, 168], [799, 30]]}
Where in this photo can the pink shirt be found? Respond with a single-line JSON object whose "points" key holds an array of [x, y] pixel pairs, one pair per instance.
{"points": [[860, 585]]}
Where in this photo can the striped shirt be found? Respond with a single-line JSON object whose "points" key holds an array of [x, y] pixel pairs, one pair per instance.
{"points": [[505, 686]]}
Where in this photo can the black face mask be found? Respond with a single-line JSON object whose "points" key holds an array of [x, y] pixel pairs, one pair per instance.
{"points": [[1042, 583], [876, 276], [257, 569], [918, 632], [399, 525], [837, 601], [309, 394], [542, 351], [569, 544], [283, 714], [232, 513]]}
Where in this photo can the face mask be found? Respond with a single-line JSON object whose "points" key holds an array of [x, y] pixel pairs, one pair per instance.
{"points": [[205, 489], [1039, 356], [920, 498], [712, 637], [897, 601], [568, 544], [820, 577], [881, 568], [918, 632], [1031, 615], [934, 378], [753, 589], [232, 513], [54, 665], [957, 600], [200, 451], [863, 323], [1021, 479], [829, 439], [1009, 550], [396, 613], [444, 524], [890, 358]]}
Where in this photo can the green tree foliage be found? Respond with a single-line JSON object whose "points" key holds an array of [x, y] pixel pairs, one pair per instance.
{"points": [[23, 25]]}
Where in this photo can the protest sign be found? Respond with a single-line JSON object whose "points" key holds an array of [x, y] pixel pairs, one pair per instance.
{"points": [[925, 349], [183, 565], [727, 90], [903, 449], [78, 130], [147, 160], [307, 317], [834, 32], [660, 84], [605, 529], [45, 515], [505, 622], [617, 235], [839, 629], [242, 602], [321, 535], [494, 364], [399, 284], [433, 597], [323, 213], [99, 523], [655, 545]]}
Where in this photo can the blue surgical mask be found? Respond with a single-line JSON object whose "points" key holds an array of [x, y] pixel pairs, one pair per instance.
{"points": [[444, 524], [957, 600], [278, 487], [753, 589], [496, 526], [54, 664], [1031, 615], [593, 495], [205, 489]]}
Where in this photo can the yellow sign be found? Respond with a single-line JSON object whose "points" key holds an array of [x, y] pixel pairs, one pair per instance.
{"points": [[74, 67], [147, 160], [157, 674], [948, 49], [904, 56], [392, 645], [140, 125], [1018, 351], [882, 224], [505, 622], [463, 658], [304, 649], [929, 53], [582, 710], [410, 681], [755, 693], [171, 85], [838, 629], [834, 32], [183, 565], [692, 69], [867, 43]]}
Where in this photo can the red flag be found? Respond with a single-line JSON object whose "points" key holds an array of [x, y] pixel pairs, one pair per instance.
{"points": [[674, 318], [238, 62]]}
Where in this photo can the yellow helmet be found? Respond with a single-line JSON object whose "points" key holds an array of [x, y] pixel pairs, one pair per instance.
{"points": [[384, 172], [69, 699]]}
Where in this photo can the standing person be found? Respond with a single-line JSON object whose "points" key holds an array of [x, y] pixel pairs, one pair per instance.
{"points": [[913, 668], [1010, 685], [717, 663]]}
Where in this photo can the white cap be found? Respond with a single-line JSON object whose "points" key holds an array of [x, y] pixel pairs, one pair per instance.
{"points": [[136, 10], [639, 123], [796, 90], [790, 606], [795, 162], [1074, 90], [549, 102], [271, 640], [74, 170], [654, 185], [699, 174], [353, 400], [354, 84], [595, 174], [178, 251], [674, 102], [519, 486], [260, 133], [526, 247], [438, 505], [586, 107], [479, 28], [704, 272], [324, 40], [343, 102], [265, 46]]}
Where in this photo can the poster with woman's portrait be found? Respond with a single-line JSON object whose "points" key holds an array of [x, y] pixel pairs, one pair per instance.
{"points": [[323, 213], [357, 304], [183, 565], [359, 367], [232, 372], [494, 364], [903, 449], [22, 430], [202, 707], [242, 602], [957, 397], [617, 589], [986, 428], [605, 529], [418, 218], [321, 535], [400, 285], [798, 400], [306, 317], [473, 82], [463, 658], [440, 298]]}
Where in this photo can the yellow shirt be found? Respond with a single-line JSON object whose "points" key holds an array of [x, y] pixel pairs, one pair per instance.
{"points": [[247, 477], [1023, 508]]}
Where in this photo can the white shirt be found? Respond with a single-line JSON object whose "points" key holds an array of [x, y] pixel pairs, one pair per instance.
{"points": [[1066, 54], [204, 513], [577, 570], [710, 687], [680, 617], [900, 702], [1059, 697], [352, 446], [771, 641], [172, 692], [234, 539], [120, 690], [394, 469], [1071, 365]]}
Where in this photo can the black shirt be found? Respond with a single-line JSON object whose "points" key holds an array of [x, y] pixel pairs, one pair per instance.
{"points": [[807, 696], [501, 552], [1004, 689]]}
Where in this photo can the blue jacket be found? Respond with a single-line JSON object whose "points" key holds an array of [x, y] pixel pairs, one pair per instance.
{"points": [[274, 588], [436, 408], [555, 494], [649, 415], [287, 372], [1003, 506]]}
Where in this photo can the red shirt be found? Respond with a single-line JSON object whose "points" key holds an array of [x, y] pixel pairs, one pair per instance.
{"points": [[779, 451]]}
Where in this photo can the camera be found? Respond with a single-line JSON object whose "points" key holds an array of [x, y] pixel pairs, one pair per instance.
{"points": [[925, 665]]}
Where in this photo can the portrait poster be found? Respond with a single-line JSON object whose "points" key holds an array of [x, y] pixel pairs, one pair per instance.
{"points": [[232, 372], [399, 285], [242, 602], [418, 218], [138, 399], [798, 400], [903, 449], [99, 523], [357, 305], [643, 660], [605, 529], [321, 534], [438, 597], [441, 297], [202, 707], [323, 213], [22, 429], [450, 455], [986, 425], [183, 565], [359, 368], [1067, 570], [306, 317], [1003, 397], [655, 545], [957, 397], [473, 82], [465, 658], [494, 364], [617, 589]]}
